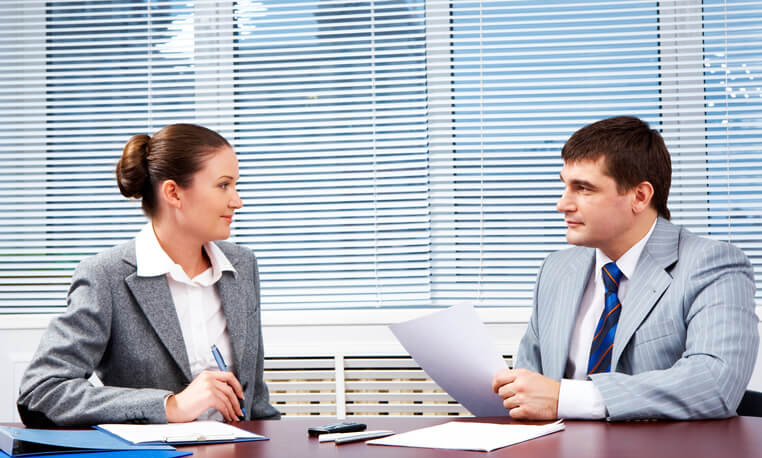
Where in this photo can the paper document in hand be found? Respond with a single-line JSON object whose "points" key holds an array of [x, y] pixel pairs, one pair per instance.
{"points": [[461, 435], [194, 432], [454, 348]]}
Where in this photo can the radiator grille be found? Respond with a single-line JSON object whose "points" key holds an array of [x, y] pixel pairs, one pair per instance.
{"points": [[356, 386], [302, 386]]}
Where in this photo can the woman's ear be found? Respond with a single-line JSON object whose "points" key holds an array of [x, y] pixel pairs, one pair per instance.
{"points": [[171, 193]]}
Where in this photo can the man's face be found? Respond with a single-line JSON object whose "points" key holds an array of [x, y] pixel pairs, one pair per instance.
{"points": [[596, 214]]}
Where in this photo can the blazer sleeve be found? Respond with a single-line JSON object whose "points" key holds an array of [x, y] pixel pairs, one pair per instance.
{"points": [[260, 407], [55, 389], [721, 343]]}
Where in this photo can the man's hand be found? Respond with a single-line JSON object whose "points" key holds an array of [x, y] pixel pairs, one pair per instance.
{"points": [[527, 395], [217, 389]]}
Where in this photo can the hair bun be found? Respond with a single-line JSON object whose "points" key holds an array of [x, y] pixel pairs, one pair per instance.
{"points": [[132, 170]]}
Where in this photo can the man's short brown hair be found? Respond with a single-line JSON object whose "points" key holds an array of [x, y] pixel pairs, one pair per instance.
{"points": [[632, 151]]}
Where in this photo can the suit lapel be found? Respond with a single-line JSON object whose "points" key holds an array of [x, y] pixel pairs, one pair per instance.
{"points": [[648, 284], [233, 298], [154, 298], [571, 288]]}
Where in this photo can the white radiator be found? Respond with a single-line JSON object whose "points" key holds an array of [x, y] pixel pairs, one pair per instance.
{"points": [[355, 385]]}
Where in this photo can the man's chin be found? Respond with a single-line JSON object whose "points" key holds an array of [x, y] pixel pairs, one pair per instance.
{"points": [[574, 238]]}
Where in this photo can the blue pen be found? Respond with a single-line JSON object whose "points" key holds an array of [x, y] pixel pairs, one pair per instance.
{"points": [[223, 367]]}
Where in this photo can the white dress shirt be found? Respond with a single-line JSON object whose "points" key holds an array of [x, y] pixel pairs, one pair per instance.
{"points": [[196, 300], [578, 397]]}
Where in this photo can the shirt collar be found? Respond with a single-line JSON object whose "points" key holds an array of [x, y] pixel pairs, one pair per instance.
{"points": [[153, 261], [629, 260]]}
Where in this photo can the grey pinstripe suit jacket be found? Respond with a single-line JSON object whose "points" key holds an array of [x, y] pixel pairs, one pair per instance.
{"points": [[125, 329], [687, 338]]}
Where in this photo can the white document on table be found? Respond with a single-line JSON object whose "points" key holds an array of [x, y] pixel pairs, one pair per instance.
{"points": [[455, 350], [181, 433], [461, 435]]}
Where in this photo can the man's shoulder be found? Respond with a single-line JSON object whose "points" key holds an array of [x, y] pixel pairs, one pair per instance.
{"points": [[683, 252], [692, 245]]}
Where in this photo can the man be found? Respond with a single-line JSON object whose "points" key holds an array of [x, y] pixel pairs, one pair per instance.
{"points": [[667, 331]]}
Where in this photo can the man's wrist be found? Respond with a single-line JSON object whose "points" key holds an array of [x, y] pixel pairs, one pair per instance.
{"points": [[580, 399]]}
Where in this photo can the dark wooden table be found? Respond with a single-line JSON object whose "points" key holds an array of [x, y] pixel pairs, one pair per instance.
{"points": [[734, 437]]}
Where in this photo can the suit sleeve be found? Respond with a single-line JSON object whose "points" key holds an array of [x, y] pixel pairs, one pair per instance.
{"points": [[529, 355], [55, 389], [721, 344]]}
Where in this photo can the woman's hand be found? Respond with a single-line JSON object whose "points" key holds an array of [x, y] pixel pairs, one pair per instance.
{"points": [[217, 389]]}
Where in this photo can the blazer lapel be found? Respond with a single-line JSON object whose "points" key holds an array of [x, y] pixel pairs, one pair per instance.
{"points": [[649, 282], [572, 288], [233, 297], [154, 298]]}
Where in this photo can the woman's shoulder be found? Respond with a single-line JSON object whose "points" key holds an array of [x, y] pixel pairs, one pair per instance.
{"points": [[122, 254]]}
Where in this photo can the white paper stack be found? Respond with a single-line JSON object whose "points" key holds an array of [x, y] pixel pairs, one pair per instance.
{"points": [[181, 433], [461, 435]]}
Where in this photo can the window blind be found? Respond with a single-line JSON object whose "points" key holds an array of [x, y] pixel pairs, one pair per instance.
{"points": [[330, 103], [395, 153], [526, 75]]}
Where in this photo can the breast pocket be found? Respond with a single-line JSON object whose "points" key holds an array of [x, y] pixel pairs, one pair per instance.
{"points": [[657, 344], [654, 330]]}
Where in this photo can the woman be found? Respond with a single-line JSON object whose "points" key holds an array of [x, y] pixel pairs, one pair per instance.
{"points": [[144, 315]]}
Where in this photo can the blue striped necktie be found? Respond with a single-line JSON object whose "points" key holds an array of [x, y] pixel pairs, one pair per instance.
{"points": [[603, 341]]}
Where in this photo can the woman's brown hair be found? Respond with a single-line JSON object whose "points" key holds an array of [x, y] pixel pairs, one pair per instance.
{"points": [[175, 152]]}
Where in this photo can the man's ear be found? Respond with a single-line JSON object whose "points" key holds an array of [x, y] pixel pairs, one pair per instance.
{"points": [[170, 192], [642, 195]]}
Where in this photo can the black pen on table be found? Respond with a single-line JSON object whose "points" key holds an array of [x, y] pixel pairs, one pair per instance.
{"points": [[223, 367]]}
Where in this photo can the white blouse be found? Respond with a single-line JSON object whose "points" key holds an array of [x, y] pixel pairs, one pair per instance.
{"points": [[196, 300]]}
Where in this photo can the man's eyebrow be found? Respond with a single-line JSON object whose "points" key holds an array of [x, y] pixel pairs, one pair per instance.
{"points": [[578, 182], [584, 183]]}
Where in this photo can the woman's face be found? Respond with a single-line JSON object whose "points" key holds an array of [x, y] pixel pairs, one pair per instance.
{"points": [[208, 203]]}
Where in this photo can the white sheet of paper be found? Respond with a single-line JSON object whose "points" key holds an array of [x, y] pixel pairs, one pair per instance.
{"points": [[455, 349], [178, 432], [460, 435]]}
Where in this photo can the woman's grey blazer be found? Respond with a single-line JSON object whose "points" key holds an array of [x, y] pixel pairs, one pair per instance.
{"points": [[124, 328]]}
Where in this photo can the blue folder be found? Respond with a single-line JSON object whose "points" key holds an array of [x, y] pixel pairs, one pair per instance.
{"points": [[152, 453], [27, 441]]}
